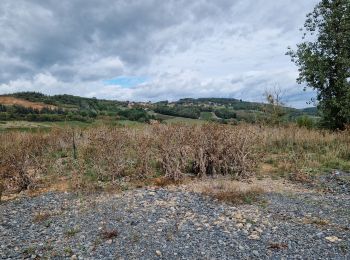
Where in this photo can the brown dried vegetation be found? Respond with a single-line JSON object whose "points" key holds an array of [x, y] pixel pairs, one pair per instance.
{"points": [[101, 155], [110, 156]]}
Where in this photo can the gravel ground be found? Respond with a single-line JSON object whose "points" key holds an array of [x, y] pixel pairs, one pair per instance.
{"points": [[175, 224]]}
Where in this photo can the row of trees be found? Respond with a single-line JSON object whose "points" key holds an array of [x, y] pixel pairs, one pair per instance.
{"points": [[17, 112]]}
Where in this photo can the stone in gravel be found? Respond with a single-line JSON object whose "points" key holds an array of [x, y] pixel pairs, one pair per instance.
{"points": [[258, 230], [239, 225], [238, 216], [254, 237], [333, 239], [158, 253], [255, 252], [320, 234]]}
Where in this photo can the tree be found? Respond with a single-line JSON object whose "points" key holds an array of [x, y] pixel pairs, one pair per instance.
{"points": [[324, 60], [274, 106]]}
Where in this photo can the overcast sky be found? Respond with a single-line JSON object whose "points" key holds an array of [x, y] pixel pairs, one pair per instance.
{"points": [[151, 49]]}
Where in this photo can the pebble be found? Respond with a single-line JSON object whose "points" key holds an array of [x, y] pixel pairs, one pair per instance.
{"points": [[256, 253]]}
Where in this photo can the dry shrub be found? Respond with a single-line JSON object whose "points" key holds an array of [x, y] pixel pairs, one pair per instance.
{"points": [[209, 149], [22, 159], [102, 153], [144, 152], [174, 149], [225, 150]]}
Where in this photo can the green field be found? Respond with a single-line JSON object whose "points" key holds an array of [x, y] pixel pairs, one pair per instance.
{"points": [[206, 115], [175, 120], [34, 126]]}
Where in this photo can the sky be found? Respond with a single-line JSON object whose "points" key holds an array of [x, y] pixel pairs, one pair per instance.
{"points": [[151, 50]]}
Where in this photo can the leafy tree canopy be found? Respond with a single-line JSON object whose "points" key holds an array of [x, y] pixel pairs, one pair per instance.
{"points": [[324, 60]]}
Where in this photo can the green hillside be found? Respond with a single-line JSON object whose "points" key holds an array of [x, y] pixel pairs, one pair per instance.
{"points": [[75, 108]]}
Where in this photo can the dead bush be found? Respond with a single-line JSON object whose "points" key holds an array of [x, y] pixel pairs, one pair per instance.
{"points": [[173, 149], [22, 159], [225, 150]]}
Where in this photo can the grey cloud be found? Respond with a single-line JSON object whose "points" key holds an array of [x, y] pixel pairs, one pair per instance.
{"points": [[218, 44]]}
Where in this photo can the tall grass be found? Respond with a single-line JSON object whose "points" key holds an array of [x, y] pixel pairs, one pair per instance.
{"points": [[293, 150]]}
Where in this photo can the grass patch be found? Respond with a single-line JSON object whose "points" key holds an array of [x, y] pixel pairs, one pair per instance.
{"points": [[163, 182], [206, 115], [230, 192], [41, 216], [72, 232]]}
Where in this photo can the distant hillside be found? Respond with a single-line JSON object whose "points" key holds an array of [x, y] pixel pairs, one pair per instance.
{"points": [[228, 109], [33, 106], [70, 101]]}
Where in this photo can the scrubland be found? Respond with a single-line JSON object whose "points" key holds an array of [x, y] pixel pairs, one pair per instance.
{"points": [[116, 158]]}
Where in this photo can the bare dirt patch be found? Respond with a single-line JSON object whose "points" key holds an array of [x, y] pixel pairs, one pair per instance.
{"points": [[10, 101]]}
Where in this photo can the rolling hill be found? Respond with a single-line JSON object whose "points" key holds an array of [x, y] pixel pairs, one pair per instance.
{"points": [[33, 106]]}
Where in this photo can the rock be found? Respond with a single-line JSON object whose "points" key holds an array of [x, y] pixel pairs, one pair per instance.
{"points": [[320, 234], [254, 237], [74, 257], [258, 230], [158, 253], [238, 216], [333, 239], [239, 225], [255, 252]]}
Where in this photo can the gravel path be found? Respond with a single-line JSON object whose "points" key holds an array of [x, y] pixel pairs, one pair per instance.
{"points": [[175, 224]]}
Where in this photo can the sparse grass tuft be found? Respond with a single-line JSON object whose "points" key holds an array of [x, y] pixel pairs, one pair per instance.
{"points": [[109, 234], [72, 232], [278, 246], [163, 182], [230, 192], [41, 216], [238, 197], [316, 221]]}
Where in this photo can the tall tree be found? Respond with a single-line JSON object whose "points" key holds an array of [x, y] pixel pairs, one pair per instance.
{"points": [[324, 60]]}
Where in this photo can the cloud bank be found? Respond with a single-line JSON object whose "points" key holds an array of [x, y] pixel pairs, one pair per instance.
{"points": [[162, 50]]}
